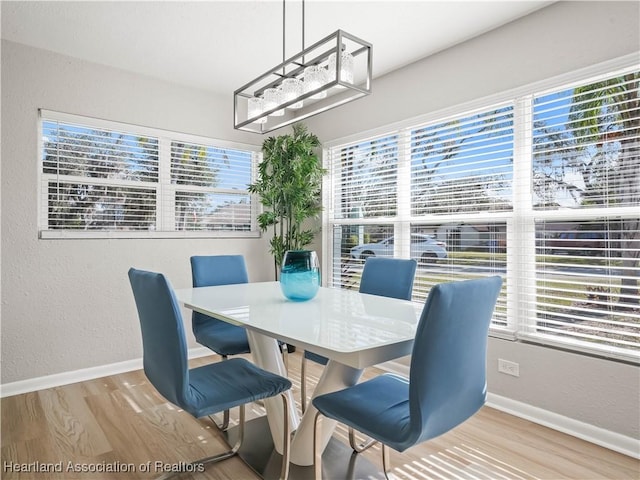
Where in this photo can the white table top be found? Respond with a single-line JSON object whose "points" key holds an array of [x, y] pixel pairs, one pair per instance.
{"points": [[355, 329]]}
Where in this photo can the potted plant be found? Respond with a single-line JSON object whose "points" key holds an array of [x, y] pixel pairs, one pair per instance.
{"points": [[289, 186]]}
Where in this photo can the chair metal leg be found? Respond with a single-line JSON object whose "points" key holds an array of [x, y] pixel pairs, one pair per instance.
{"points": [[225, 414], [220, 456], [285, 357], [317, 453], [386, 465], [225, 421], [359, 448], [303, 383], [286, 446], [286, 443]]}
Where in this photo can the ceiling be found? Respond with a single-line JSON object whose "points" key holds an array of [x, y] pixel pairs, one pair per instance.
{"points": [[221, 45]]}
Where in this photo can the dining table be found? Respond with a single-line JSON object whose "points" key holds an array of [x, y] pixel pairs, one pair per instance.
{"points": [[352, 329]]}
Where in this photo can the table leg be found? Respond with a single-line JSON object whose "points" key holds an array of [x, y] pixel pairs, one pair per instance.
{"points": [[335, 376], [266, 354]]}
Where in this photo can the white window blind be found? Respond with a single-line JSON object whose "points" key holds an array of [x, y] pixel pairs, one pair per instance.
{"points": [[200, 202], [474, 249], [461, 174], [586, 197], [367, 173], [98, 179], [464, 164], [547, 195], [101, 178], [409, 194], [345, 269], [365, 188]]}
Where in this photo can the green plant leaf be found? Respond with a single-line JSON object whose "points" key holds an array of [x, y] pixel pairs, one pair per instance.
{"points": [[289, 187]]}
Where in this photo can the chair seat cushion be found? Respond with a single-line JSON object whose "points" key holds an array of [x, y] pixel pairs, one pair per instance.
{"points": [[221, 337], [223, 385], [314, 357], [378, 408]]}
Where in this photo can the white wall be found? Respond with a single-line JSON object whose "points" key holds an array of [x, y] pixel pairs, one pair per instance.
{"points": [[67, 304], [558, 39]]}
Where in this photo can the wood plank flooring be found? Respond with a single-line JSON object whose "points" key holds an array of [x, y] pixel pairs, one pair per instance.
{"points": [[121, 423]]}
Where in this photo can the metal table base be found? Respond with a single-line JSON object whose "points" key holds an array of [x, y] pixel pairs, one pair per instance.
{"points": [[338, 460]]}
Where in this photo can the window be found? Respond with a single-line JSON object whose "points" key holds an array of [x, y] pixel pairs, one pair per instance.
{"points": [[102, 179], [199, 173], [543, 189], [463, 164], [367, 173], [409, 194], [585, 195]]}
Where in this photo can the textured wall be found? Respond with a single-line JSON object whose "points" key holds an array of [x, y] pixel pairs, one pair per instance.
{"points": [[594, 391]]}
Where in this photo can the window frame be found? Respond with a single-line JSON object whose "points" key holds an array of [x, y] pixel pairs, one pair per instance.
{"points": [[164, 188], [520, 222]]}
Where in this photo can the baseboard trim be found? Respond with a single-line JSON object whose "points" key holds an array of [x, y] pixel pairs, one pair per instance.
{"points": [[605, 438], [65, 378]]}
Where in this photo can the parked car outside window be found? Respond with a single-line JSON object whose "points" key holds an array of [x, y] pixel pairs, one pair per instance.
{"points": [[424, 248]]}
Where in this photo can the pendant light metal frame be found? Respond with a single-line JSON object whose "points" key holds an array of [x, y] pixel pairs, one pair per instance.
{"points": [[338, 91]]}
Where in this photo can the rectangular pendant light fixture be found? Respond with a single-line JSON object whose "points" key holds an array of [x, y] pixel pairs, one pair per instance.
{"points": [[329, 73]]}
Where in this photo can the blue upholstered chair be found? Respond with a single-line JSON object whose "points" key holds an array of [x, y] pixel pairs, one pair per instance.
{"points": [[221, 337], [203, 390], [447, 379], [385, 277]]}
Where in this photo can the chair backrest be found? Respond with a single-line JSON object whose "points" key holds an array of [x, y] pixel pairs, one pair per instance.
{"points": [[212, 270], [447, 382], [388, 277], [163, 339]]}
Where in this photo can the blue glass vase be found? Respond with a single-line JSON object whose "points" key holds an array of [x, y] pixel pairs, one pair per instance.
{"points": [[300, 275]]}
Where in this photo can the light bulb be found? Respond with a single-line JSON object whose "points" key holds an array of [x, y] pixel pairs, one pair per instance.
{"points": [[346, 67], [255, 107], [273, 98], [315, 77], [292, 88]]}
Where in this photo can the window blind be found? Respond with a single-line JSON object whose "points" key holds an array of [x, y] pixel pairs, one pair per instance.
{"points": [[98, 179], [586, 283], [367, 178], [459, 167], [211, 192], [543, 190], [586, 195], [587, 145], [463, 164], [105, 178], [365, 189], [408, 194]]}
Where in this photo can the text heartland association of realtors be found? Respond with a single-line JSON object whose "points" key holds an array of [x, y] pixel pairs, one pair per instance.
{"points": [[101, 467]]}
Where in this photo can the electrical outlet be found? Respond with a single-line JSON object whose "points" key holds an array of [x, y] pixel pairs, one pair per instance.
{"points": [[510, 368]]}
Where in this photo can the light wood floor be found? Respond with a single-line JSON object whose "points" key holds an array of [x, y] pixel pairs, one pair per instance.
{"points": [[122, 419]]}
